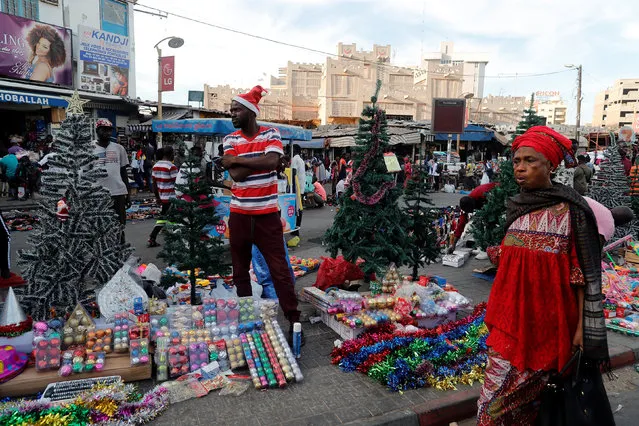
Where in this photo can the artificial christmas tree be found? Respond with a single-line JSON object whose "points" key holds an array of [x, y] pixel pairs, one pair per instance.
{"points": [[488, 223], [422, 240], [530, 119], [370, 225], [610, 187], [186, 246], [72, 254]]}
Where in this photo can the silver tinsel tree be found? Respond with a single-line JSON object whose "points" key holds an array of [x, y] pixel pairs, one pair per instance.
{"points": [[610, 186], [70, 258]]}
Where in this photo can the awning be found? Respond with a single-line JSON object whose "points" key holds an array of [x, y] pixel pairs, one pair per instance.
{"points": [[341, 142], [223, 127], [169, 115], [472, 133], [407, 139], [312, 144]]}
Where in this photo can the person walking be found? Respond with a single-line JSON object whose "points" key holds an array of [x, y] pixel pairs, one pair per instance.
{"points": [[582, 176], [112, 157], [252, 156], [147, 164], [546, 300], [299, 181], [164, 175]]}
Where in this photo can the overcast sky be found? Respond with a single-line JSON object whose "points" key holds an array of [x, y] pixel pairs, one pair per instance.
{"points": [[518, 37]]}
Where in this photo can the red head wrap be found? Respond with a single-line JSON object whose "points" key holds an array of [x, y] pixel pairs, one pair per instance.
{"points": [[554, 146]]}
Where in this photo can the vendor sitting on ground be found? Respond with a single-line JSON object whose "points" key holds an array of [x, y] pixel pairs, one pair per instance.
{"points": [[319, 194], [469, 204]]}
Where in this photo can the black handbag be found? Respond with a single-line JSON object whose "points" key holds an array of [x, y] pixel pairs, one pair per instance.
{"points": [[578, 399]]}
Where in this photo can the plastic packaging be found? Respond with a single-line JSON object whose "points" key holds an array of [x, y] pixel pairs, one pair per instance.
{"points": [[297, 340], [100, 341], [121, 332], [162, 359], [47, 353], [178, 360], [218, 352], [198, 355], [139, 353]]}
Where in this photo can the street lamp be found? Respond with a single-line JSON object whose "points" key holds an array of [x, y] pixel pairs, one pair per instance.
{"points": [[174, 43], [578, 68]]}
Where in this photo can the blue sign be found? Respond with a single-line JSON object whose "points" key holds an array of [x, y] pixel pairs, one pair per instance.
{"points": [[223, 127], [31, 98]]}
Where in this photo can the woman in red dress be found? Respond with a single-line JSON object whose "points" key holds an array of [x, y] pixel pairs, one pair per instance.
{"points": [[546, 300]]}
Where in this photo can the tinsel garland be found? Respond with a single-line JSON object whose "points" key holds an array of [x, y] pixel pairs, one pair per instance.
{"points": [[363, 166], [14, 330], [112, 404], [441, 357]]}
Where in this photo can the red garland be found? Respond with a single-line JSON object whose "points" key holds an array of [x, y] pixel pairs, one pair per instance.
{"points": [[14, 330], [387, 332], [363, 166], [372, 360]]}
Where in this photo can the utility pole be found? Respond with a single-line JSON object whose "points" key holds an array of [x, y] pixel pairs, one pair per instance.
{"points": [[578, 102]]}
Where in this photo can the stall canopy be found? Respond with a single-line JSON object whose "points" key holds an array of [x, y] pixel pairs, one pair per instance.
{"points": [[169, 115], [399, 132], [223, 126], [472, 133]]}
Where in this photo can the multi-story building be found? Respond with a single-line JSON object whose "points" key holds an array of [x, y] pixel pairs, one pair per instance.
{"points": [[553, 109], [618, 105], [336, 91], [498, 110], [49, 48], [469, 67]]}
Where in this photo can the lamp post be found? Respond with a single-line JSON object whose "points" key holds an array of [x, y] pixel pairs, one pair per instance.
{"points": [[174, 42], [578, 122]]}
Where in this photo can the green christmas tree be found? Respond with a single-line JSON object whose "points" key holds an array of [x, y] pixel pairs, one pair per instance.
{"points": [[186, 246], [530, 119], [370, 225], [70, 257], [610, 186], [422, 240], [488, 226]]}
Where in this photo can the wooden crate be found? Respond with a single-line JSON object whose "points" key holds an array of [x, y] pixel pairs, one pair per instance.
{"points": [[631, 256], [30, 381]]}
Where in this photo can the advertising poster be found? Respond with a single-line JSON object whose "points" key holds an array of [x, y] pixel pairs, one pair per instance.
{"points": [[103, 66], [288, 214], [168, 73], [31, 50]]}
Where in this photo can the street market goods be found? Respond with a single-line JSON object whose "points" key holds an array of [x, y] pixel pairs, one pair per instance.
{"points": [[441, 357]]}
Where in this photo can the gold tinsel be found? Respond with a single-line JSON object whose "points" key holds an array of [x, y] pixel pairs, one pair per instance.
{"points": [[53, 419]]}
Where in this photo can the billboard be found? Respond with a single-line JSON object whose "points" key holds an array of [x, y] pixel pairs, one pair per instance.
{"points": [[449, 115], [104, 62], [31, 50], [196, 96]]}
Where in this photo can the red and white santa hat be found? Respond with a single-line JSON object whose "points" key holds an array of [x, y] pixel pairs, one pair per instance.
{"points": [[252, 98]]}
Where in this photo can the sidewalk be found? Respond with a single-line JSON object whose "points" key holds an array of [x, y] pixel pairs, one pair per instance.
{"points": [[7, 205]]}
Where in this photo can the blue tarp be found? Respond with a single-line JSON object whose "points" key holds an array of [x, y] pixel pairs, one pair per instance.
{"points": [[472, 133], [223, 127]]}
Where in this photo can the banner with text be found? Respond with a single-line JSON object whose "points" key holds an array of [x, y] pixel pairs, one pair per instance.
{"points": [[31, 50], [168, 73], [104, 62]]}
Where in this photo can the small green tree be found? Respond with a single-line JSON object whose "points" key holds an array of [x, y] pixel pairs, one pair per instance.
{"points": [[370, 224], [186, 246], [422, 240], [488, 226], [530, 119]]}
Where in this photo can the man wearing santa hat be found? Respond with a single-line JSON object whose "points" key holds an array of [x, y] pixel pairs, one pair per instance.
{"points": [[252, 156]]}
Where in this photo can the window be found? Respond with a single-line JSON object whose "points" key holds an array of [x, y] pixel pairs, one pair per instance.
{"points": [[24, 8], [115, 17]]}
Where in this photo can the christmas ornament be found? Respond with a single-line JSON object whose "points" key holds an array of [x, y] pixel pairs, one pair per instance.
{"points": [[63, 209], [13, 321], [75, 104]]}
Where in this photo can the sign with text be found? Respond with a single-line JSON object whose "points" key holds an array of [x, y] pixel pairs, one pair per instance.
{"points": [[448, 115], [31, 50], [167, 64], [196, 96], [103, 66], [31, 98]]}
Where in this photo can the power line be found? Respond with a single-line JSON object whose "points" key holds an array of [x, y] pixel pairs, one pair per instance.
{"points": [[166, 13]]}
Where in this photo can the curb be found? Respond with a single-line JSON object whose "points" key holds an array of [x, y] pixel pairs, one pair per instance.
{"points": [[463, 405]]}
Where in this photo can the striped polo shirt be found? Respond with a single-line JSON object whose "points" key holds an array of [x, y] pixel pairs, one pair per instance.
{"points": [[164, 174], [258, 193]]}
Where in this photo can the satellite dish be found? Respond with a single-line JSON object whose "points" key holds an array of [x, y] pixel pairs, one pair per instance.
{"points": [[176, 42]]}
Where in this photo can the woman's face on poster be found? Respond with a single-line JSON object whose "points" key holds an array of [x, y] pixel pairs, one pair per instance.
{"points": [[43, 47]]}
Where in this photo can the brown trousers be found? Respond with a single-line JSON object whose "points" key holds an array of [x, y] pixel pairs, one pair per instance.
{"points": [[265, 231]]}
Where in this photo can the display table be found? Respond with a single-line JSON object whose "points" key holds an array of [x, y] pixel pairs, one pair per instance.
{"points": [[30, 381]]}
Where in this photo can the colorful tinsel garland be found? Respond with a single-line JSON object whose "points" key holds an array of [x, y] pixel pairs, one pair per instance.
{"points": [[112, 404], [440, 357], [13, 330]]}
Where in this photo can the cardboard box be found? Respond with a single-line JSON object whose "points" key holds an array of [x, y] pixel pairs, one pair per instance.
{"points": [[453, 260], [344, 331]]}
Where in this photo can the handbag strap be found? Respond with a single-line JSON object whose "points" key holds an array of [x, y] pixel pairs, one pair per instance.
{"points": [[576, 357]]}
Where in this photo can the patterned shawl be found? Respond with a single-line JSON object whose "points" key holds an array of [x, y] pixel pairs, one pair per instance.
{"points": [[588, 248]]}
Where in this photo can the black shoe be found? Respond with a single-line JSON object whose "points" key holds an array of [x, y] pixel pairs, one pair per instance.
{"points": [[290, 337]]}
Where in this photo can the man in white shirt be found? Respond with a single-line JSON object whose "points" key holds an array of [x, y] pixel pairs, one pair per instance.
{"points": [[112, 157], [297, 164]]}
